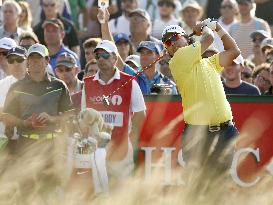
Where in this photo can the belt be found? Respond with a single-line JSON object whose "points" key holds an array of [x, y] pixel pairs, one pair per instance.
{"points": [[41, 136], [216, 127]]}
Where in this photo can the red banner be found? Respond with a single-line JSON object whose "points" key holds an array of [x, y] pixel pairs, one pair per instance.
{"points": [[253, 117]]}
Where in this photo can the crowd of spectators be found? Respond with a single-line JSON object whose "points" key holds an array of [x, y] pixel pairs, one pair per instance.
{"points": [[72, 27]]}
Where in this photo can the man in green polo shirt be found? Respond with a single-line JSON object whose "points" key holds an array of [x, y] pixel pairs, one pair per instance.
{"points": [[37, 103], [207, 113]]}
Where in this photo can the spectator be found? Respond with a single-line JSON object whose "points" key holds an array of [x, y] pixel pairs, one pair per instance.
{"points": [[247, 70], [125, 47], [11, 12], [64, 10], [229, 11], [140, 25], [166, 17], [133, 61], [191, 13], [107, 80], [5, 45], [261, 77], [152, 8], [232, 80], [121, 24], [25, 18], [70, 38], [54, 35], [257, 37], [27, 39], [16, 58], [248, 23], [66, 70], [91, 68], [149, 52], [89, 46]]}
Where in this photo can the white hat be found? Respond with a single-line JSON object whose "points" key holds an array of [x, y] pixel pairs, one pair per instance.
{"points": [[7, 43], [108, 46], [265, 34], [191, 3], [38, 48], [173, 29], [239, 60], [135, 59], [142, 13]]}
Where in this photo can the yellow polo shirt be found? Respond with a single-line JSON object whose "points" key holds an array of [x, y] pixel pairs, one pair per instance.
{"points": [[199, 83]]}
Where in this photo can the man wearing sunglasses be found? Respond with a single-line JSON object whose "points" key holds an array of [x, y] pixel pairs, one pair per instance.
{"points": [[5, 45], [208, 113], [126, 98], [16, 58]]}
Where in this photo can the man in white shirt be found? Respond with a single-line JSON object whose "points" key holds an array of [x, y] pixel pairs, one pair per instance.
{"points": [[11, 11], [16, 58], [166, 17], [5, 45]]}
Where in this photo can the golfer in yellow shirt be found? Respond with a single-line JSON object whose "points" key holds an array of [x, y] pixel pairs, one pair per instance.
{"points": [[207, 113]]}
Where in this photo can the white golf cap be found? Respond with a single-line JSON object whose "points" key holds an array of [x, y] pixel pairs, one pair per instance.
{"points": [[135, 59], [173, 29], [108, 46], [7, 43], [38, 48]]}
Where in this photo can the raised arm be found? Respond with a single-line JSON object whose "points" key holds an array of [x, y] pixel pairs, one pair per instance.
{"points": [[231, 49], [103, 18]]}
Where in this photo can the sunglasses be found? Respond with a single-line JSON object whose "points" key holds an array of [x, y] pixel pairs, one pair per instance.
{"points": [[103, 55], [18, 60], [49, 5], [172, 39], [66, 69], [164, 62], [226, 7]]}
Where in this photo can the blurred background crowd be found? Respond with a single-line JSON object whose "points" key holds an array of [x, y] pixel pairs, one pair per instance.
{"points": [[71, 26]]}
